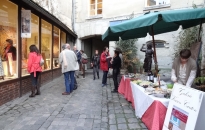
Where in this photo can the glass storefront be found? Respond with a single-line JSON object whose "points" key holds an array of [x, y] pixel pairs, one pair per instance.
{"points": [[56, 46], [8, 40], [14, 50], [46, 42], [26, 42]]}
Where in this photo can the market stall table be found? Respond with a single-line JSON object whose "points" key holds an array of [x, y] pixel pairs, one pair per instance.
{"points": [[125, 90], [151, 109]]}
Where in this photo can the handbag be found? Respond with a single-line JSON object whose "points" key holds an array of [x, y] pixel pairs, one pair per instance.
{"points": [[41, 62], [85, 61]]}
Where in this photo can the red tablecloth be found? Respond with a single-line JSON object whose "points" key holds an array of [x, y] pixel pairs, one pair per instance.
{"points": [[125, 89], [154, 116]]}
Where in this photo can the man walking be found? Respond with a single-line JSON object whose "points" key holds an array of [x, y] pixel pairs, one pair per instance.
{"points": [[104, 61], [68, 69], [95, 64]]}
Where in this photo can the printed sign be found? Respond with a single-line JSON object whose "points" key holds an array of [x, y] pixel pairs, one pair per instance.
{"points": [[25, 23], [183, 109]]}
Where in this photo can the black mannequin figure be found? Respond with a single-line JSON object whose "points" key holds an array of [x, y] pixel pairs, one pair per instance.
{"points": [[149, 53]]}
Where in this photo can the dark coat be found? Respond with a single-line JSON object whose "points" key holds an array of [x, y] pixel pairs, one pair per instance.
{"points": [[96, 60], [12, 50], [116, 64]]}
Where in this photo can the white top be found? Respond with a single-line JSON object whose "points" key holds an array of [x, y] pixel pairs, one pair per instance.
{"points": [[182, 75], [70, 58]]}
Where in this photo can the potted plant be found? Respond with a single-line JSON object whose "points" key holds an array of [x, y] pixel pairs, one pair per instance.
{"points": [[200, 83]]}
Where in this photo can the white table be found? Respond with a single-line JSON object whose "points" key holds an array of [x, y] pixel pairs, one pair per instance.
{"points": [[143, 101]]}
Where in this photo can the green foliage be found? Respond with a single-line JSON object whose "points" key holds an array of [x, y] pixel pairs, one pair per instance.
{"points": [[200, 80], [186, 38], [129, 52]]}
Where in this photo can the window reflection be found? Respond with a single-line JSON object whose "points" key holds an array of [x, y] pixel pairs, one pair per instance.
{"points": [[56, 46], [46, 40], [26, 42]]}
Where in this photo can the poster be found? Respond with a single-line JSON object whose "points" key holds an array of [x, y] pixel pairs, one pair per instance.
{"points": [[184, 107], [25, 23]]}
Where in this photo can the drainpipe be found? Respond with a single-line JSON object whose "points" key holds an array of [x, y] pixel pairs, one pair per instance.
{"points": [[73, 15]]}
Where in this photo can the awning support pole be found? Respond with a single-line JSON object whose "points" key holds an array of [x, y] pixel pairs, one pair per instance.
{"points": [[155, 55], [200, 31]]}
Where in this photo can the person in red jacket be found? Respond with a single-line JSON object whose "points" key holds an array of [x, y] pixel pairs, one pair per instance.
{"points": [[34, 68], [104, 62]]}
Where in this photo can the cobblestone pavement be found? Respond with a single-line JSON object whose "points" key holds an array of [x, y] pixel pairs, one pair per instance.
{"points": [[90, 107]]}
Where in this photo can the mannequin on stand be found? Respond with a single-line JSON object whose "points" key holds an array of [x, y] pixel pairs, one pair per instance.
{"points": [[149, 53]]}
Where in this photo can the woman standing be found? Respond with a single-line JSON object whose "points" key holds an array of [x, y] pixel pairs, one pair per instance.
{"points": [[84, 61], [95, 64], [34, 68]]}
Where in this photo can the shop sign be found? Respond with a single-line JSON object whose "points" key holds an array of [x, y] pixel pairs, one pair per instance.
{"points": [[184, 111], [25, 23]]}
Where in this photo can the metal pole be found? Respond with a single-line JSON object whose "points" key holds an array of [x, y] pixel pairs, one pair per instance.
{"points": [[155, 55], [200, 31]]}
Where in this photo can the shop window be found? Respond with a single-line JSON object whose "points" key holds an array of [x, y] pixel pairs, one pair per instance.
{"points": [[8, 40], [157, 2], [95, 7], [46, 40], [26, 42], [63, 37], [56, 46]]}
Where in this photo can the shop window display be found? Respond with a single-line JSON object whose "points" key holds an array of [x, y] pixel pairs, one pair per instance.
{"points": [[63, 37], [46, 40], [8, 40], [56, 46], [26, 42]]}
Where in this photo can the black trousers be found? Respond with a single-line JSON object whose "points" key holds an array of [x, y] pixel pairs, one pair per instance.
{"points": [[34, 80], [115, 73]]}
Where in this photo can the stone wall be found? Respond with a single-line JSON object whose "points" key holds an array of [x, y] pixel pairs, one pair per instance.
{"points": [[60, 9]]}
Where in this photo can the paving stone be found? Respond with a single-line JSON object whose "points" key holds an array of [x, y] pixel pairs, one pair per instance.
{"points": [[119, 115], [122, 126], [112, 121], [121, 120], [143, 126], [82, 116], [134, 126], [133, 120], [113, 127]]}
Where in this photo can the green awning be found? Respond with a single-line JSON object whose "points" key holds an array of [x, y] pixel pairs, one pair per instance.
{"points": [[164, 21]]}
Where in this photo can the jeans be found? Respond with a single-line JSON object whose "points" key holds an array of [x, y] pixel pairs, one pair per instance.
{"points": [[115, 79], [104, 79], [95, 70], [69, 80], [34, 80]]}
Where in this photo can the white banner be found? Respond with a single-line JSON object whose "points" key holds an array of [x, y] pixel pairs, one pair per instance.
{"points": [[183, 109], [25, 23]]}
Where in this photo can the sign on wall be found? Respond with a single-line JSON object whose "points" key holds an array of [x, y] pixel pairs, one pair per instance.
{"points": [[25, 23], [183, 109]]}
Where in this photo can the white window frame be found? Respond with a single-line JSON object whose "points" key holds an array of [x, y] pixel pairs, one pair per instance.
{"points": [[96, 8], [157, 6]]}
